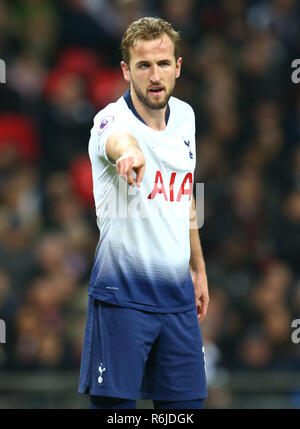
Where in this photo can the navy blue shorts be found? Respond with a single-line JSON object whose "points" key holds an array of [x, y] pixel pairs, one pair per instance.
{"points": [[134, 354]]}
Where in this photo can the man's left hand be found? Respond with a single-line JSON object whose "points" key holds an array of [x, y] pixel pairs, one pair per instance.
{"points": [[201, 293]]}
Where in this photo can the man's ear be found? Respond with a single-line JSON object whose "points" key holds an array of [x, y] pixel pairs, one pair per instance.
{"points": [[125, 70], [178, 67]]}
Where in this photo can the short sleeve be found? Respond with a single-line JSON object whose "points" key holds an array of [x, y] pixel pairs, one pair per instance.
{"points": [[105, 124]]}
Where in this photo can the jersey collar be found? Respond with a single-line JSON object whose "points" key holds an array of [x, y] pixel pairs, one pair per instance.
{"points": [[127, 98]]}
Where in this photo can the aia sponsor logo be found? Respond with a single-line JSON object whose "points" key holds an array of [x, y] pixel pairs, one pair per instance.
{"points": [[167, 188]]}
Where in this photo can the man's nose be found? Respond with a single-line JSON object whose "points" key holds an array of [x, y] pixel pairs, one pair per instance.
{"points": [[155, 76]]}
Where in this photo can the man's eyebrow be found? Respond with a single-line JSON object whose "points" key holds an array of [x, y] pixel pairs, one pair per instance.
{"points": [[143, 62], [164, 60]]}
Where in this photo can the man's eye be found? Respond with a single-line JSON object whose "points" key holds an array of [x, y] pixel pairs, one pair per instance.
{"points": [[143, 66]]}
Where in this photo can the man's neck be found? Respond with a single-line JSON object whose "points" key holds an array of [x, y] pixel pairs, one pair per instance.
{"points": [[155, 119]]}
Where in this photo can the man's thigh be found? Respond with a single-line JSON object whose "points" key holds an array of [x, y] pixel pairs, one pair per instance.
{"points": [[116, 347], [175, 370]]}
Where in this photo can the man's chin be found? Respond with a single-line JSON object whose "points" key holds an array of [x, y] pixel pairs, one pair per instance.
{"points": [[151, 101], [158, 104]]}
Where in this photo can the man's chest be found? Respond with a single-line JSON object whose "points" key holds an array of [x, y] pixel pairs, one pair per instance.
{"points": [[170, 164]]}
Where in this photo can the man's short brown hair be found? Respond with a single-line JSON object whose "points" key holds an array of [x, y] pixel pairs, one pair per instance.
{"points": [[149, 29]]}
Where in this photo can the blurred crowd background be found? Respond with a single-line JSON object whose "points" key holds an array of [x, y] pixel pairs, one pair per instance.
{"points": [[62, 60]]}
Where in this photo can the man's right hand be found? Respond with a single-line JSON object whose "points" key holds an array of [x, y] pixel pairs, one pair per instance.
{"points": [[133, 161], [124, 150]]}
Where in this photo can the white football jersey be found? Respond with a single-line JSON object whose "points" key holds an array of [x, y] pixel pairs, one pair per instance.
{"points": [[142, 258]]}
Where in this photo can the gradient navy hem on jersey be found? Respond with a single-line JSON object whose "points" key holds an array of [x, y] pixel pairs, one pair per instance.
{"points": [[134, 354]]}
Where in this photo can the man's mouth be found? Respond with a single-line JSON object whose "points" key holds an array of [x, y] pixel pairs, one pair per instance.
{"points": [[157, 90]]}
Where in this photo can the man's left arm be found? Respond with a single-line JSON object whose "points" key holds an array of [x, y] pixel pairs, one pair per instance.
{"points": [[197, 266]]}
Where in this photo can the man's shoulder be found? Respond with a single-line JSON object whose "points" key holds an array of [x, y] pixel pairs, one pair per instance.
{"points": [[181, 106]]}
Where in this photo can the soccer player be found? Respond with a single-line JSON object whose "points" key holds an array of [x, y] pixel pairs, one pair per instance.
{"points": [[148, 289]]}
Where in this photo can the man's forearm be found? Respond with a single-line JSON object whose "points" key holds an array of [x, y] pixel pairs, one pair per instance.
{"points": [[120, 144], [123, 150], [198, 271], [196, 259]]}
